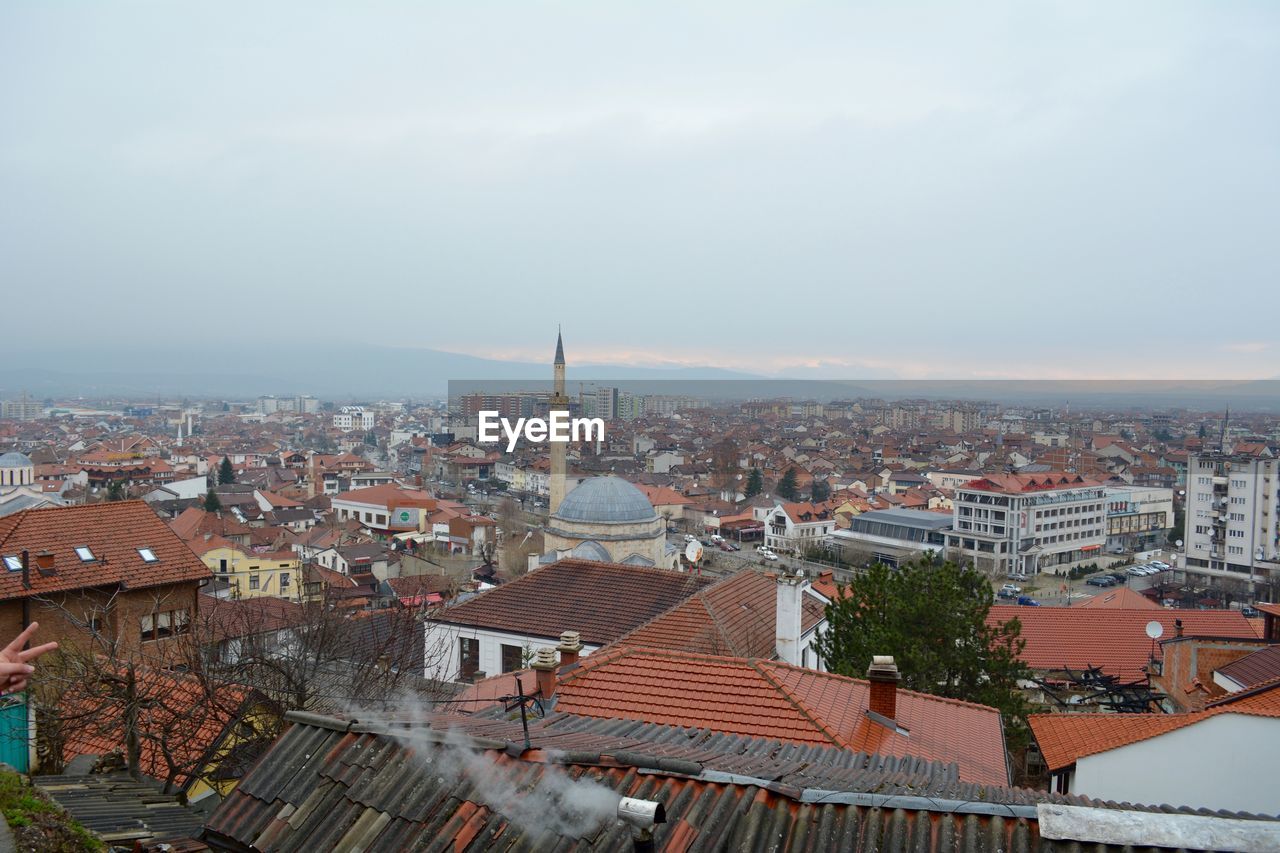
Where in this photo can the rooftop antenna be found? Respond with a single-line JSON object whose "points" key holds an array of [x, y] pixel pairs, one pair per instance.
{"points": [[1155, 631]]}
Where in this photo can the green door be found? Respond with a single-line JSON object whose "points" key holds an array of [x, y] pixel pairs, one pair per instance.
{"points": [[14, 732]]}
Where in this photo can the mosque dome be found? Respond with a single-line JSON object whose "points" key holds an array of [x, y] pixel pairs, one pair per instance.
{"points": [[20, 460], [607, 500]]}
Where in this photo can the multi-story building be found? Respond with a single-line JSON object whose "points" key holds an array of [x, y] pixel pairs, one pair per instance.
{"points": [[1138, 517], [795, 527], [1232, 513], [350, 418], [1028, 523], [21, 410]]}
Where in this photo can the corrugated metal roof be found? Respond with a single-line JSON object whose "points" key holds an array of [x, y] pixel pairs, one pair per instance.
{"points": [[330, 784]]}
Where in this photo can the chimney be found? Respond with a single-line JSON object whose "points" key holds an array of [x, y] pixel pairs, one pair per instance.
{"points": [[570, 647], [883, 675], [544, 667], [1177, 627], [26, 571], [790, 594]]}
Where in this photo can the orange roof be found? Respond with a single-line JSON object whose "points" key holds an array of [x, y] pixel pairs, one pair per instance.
{"points": [[1113, 639], [178, 723], [758, 698], [662, 496], [1066, 738], [113, 533], [388, 495], [1122, 598], [736, 616], [1018, 483]]}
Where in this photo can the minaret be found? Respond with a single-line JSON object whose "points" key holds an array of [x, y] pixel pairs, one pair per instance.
{"points": [[558, 402]]}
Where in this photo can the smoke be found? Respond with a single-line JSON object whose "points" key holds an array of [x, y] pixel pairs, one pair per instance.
{"points": [[553, 802]]}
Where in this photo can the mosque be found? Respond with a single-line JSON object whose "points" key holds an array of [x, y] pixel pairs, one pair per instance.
{"points": [[603, 518], [18, 487]]}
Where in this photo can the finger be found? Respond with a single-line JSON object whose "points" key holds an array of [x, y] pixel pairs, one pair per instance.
{"points": [[33, 653], [11, 670], [21, 640], [15, 686]]}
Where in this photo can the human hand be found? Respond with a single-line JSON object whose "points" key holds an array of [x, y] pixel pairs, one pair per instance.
{"points": [[15, 662]]}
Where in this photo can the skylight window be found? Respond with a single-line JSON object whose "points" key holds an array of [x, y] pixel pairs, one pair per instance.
{"points": [[85, 555], [148, 556], [13, 564]]}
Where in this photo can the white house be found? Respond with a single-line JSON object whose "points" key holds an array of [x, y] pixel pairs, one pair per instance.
{"points": [[1221, 758]]}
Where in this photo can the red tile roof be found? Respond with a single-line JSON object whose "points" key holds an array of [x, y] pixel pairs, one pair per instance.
{"points": [[736, 616], [1122, 598], [759, 698], [1114, 640], [388, 495], [1066, 738], [601, 601], [178, 722], [112, 531], [1020, 483]]}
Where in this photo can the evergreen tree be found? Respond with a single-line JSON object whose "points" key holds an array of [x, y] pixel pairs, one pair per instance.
{"points": [[755, 483], [787, 486], [932, 617], [115, 491], [211, 502], [226, 474], [819, 491]]}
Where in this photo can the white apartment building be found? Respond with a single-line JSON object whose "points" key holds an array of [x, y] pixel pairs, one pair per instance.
{"points": [[792, 528], [1232, 513], [1138, 517], [350, 418], [1031, 523]]}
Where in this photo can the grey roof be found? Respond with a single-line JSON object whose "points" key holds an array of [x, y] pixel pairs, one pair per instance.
{"points": [[909, 517], [331, 784], [611, 500], [121, 809], [15, 460]]}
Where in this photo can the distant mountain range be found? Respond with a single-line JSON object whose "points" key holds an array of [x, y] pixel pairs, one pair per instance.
{"points": [[365, 371], [344, 371]]}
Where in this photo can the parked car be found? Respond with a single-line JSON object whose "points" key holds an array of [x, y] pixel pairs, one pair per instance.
{"points": [[1250, 612], [1027, 601], [1162, 566], [723, 546], [1134, 572], [1006, 593], [1118, 577], [689, 537], [734, 546], [717, 538], [1101, 580], [769, 555], [1011, 588], [1017, 576]]}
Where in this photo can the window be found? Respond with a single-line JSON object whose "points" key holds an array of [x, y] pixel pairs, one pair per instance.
{"points": [[85, 555], [468, 657], [166, 623], [512, 658], [13, 564], [284, 580], [253, 581], [148, 556]]}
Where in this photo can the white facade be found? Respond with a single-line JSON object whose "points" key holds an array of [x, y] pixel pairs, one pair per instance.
{"points": [[1225, 761], [1232, 513], [782, 532], [351, 418], [1045, 530], [1138, 517], [445, 649]]}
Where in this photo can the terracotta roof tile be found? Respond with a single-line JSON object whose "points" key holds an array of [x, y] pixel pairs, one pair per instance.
{"points": [[1066, 738], [113, 533], [1113, 639], [759, 698], [601, 601]]}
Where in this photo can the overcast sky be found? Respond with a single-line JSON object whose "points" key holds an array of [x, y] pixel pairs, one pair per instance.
{"points": [[951, 190]]}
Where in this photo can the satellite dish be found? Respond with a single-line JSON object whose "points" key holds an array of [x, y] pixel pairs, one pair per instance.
{"points": [[693, 553], [1178, 543], [1155, 630]]}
